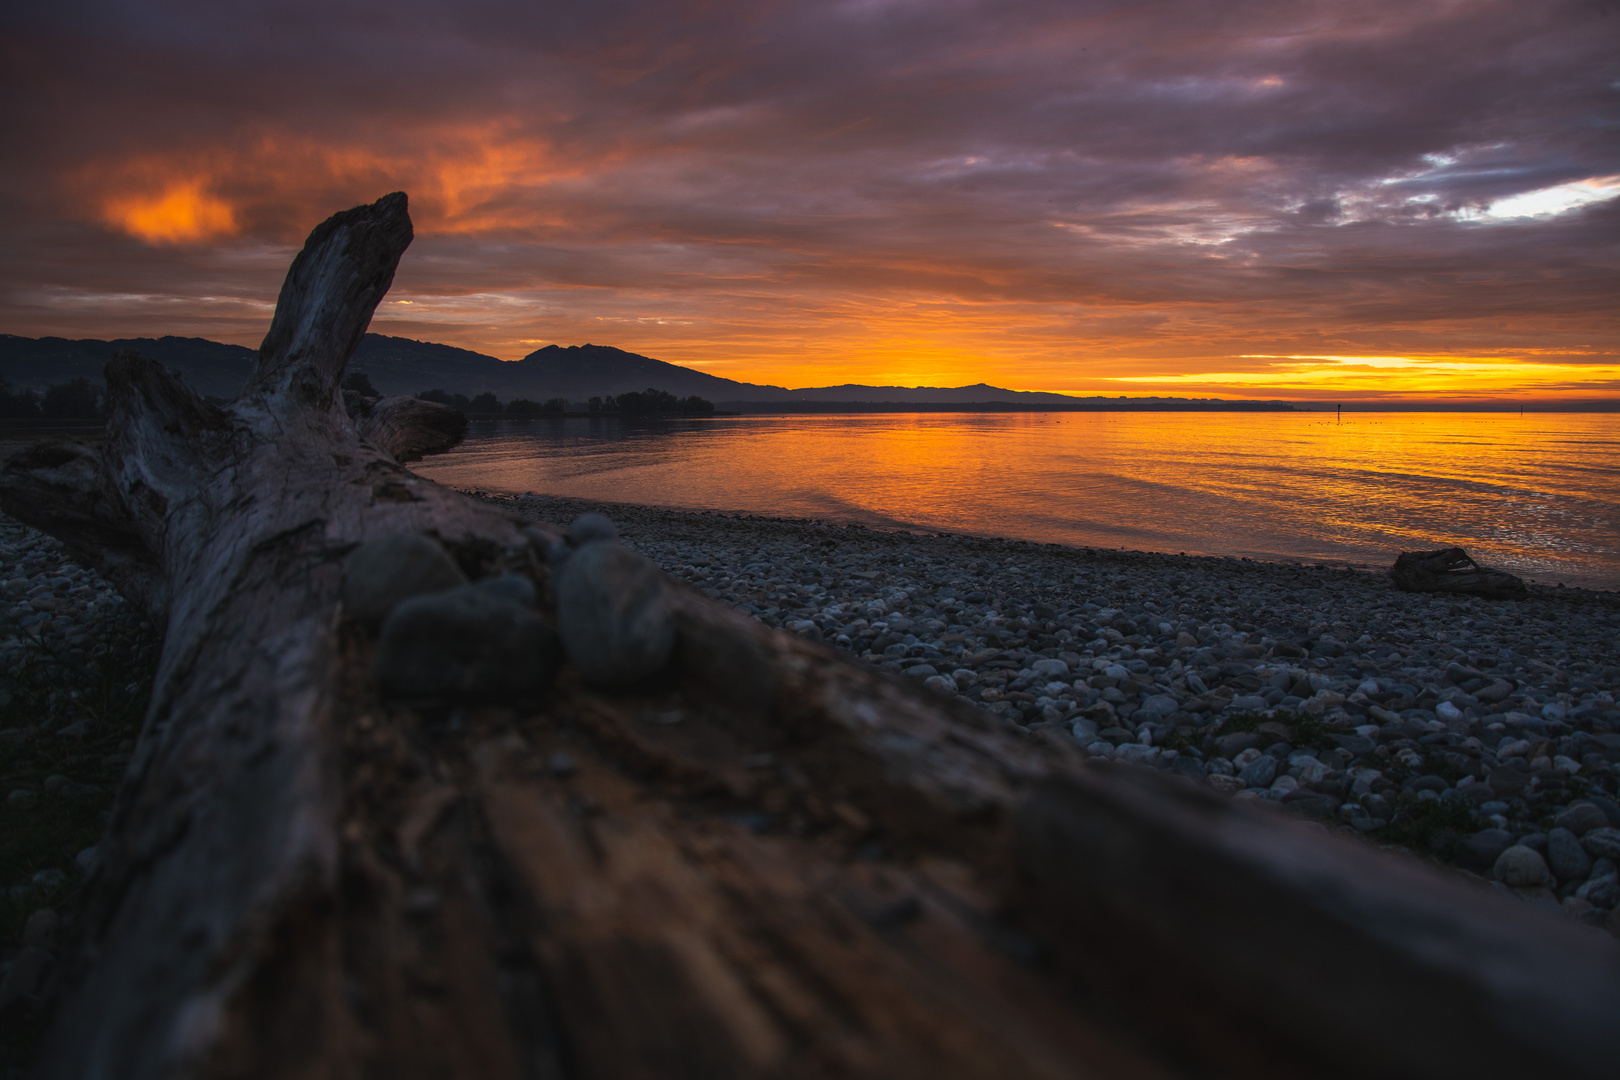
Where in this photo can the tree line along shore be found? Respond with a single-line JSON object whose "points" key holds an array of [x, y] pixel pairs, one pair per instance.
{"points": [[651, 402], [81, 398]]}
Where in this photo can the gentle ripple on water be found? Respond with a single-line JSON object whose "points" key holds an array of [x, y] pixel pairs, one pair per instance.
{"points": [[1536, 494]]}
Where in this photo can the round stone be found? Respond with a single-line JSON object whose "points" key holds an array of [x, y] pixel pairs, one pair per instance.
{"points": [[1260, 772], [613, 614], [41, 928], [1136, 753], [381, 573], [592, 528], [1521, 868], [1603, 892], [1049, 668], [1481, 850], [512, 588], [467, 642], [1603, 843], [1158, 704], [1580, 818], [1188, 766], [1233, 744], [1565, 856]]}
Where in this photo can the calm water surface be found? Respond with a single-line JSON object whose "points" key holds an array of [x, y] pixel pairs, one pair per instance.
{"points": [[1536, 494]]}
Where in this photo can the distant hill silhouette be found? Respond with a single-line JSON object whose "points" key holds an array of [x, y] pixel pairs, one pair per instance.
{"points": [[210, 367], [402, 366], [577, 372], [398, 365]]}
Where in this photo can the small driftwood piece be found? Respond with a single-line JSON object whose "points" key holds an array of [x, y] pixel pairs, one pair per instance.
{"points": [[1453, 570], [406, 428], [767, 861]]}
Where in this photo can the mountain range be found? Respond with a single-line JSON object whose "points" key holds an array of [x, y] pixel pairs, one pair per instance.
{"points": [[398, 365]]}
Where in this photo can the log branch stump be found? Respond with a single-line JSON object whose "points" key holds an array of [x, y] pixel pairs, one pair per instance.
{"points": [[406, 428], [762, 860]]}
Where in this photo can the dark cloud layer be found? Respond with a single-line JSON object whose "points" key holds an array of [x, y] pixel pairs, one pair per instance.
{"points": [[1049, 195]]}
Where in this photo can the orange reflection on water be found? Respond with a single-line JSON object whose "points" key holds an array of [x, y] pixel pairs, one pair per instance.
{"points": [[1538, 494], [1447, 376]]}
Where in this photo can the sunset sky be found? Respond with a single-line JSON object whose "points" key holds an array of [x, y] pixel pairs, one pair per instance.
{"points": [[1356, 200]]}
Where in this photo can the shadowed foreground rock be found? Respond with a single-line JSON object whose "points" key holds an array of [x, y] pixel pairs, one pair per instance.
{"points": [[379, 574], [1452, 570], [754, 859]]}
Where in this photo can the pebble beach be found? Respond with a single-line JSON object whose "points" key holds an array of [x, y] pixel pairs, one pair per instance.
{"points": [[1483, 735], [1480, 734], [75, 669]]}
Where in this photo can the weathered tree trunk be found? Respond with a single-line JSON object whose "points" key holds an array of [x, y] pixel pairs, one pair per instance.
{"points": [[766, 862]]}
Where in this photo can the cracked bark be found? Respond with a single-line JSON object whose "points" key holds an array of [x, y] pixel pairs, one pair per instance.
{"points": [[767, 862]]}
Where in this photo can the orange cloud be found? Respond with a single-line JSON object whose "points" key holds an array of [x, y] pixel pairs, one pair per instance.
{"points": [[465, 180], [182, 214]]}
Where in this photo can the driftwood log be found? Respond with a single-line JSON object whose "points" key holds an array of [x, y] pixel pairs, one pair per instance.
{"points": [[1453, 570], [407, 428], [767, 861]]}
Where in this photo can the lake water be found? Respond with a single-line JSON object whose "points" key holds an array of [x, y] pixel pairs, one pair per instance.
{"points": [[1537, 494]]}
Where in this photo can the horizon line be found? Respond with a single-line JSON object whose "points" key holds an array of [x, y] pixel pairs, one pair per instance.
{"points": [[1397, 401]]}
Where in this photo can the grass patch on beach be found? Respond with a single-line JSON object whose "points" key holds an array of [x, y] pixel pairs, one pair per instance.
{"points": [[1434, 826], [1173, 739], [1303, 728]]}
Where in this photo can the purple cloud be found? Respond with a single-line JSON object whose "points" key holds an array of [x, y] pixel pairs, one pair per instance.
{"points": [[1042, 193]]}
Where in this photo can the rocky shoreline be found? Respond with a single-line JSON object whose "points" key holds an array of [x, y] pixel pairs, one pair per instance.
{"points": [[75, 670], [1480, 734]]}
